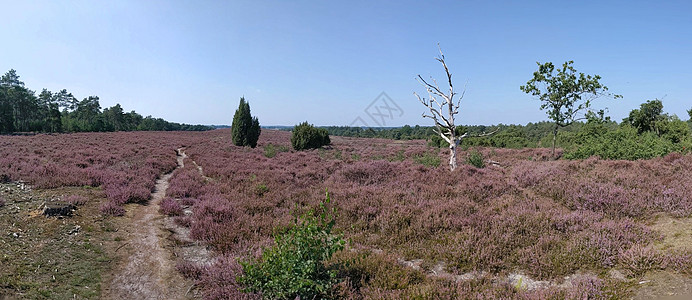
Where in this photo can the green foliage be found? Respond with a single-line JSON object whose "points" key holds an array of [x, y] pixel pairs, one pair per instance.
{"points": [[307, 136], [21, 110], [674, 130], [399, 156], [564, 94], [648, 117], [296, 265], [626, 143], [405, 132], [511, 136], [430, 159], [270, 150], [245, 129], [370, 270], [261, 189], [475, 158], [435, 140]]}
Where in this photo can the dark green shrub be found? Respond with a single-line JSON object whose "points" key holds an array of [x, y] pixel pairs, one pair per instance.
{"points": [[626, 143], [261, 189], [245, 129], [429, 159], [307, 136], [437, 141], [475, 158], [674, 130], [295, 266], [399, 156], [510, 137], [270, 150]]}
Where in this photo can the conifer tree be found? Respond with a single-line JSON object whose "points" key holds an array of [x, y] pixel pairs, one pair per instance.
{"points": [[245, 129]]}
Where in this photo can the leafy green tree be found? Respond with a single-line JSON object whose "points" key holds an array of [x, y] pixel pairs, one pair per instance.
{"points": [[21, 102], [65, 100], [22, 110], [245, 129], [114, 118], [132, 119], [49, 112], [88, 115], [11, 79], [307, 136], [673, 129], [648, 117], [566, 94], [6, 116]]}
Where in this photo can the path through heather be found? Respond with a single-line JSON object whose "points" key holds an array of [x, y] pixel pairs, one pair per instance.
{"points": [[148, 268]]}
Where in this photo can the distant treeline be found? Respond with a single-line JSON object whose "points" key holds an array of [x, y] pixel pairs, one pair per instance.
{"points": [[647, 132], [507, 136], [22, 111]]}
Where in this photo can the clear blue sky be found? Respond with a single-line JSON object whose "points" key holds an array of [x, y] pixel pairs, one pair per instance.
{"points": [[326, 61]]}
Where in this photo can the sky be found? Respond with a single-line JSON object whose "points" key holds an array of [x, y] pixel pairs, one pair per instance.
{"points": [[329, 62]]}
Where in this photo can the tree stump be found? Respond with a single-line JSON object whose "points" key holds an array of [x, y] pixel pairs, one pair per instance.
{"points": [[58, 208]]}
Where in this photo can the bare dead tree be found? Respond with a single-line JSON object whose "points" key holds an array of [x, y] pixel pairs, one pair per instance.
{"points": [[442, 110]]}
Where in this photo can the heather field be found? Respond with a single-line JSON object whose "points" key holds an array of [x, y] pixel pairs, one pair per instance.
{"points": [[523, 227], [526, 227]]}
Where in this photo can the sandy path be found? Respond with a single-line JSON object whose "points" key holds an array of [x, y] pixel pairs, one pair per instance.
{"points": [[148, 268]]}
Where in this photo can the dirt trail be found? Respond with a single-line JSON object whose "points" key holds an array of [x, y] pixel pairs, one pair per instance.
{"points": [[147, 270]]}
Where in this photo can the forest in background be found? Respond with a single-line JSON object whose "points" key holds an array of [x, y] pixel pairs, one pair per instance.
{"points": [[21, 110], [646, 133]]}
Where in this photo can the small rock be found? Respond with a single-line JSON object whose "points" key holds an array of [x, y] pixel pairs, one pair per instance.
{"points": [[58, 208], [617, 275], [75, 230]]}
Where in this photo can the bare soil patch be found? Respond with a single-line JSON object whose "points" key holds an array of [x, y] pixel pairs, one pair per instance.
{"points": [[147, 268], [677, 232], [53, 257], [677, 236]]}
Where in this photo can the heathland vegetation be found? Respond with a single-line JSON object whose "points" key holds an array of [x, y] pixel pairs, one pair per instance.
{"points": [[646, 133], [21, 110], [511, 230], [472, 233]]}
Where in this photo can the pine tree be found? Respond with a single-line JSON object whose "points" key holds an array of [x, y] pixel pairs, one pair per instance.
{"points": [[245, 129]]}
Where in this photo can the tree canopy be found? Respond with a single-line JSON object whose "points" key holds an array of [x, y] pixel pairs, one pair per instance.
{"points": [[647, 117], [565, 94], [22, 111]]}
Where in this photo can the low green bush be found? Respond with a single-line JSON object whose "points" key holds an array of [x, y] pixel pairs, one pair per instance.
{"points": [[626, 143], [430, 159], [475, 158], [307, 136], [296, 265], [270, 150]]}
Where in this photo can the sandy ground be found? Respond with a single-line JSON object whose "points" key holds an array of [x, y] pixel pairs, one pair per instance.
{"points": [[147, 268]]}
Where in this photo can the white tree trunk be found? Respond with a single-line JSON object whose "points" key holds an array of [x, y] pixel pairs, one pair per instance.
{"points": [[452, 156], [436, 103]]}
